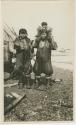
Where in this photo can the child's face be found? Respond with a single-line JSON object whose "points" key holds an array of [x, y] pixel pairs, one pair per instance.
{"points": [[22, 35], [44, 27]]}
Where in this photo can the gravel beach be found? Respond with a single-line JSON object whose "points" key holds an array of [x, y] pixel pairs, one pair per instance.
{"points": [[54, 104]]}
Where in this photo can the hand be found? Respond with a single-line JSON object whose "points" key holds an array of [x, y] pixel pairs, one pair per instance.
{"points": [[13, 60], [14, 51]]}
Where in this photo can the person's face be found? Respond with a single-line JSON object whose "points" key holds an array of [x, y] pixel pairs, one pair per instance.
{"points": [[44, 27], [22, 35]]}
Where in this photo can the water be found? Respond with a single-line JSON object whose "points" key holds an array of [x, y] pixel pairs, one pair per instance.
{"points": [[62, 59]]}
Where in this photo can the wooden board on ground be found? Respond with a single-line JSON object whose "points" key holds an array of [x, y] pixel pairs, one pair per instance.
{"points": [[11, 100], [10, 85]]}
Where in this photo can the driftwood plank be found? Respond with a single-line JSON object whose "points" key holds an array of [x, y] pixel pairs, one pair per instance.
{"points": [[10, 85], [14, 103]]}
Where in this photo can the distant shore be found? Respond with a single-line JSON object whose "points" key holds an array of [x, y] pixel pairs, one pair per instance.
{"points": [[64, 66], [62, 60]]}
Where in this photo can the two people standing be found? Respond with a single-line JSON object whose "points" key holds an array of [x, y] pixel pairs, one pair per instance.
{"points": [[23, 49]]}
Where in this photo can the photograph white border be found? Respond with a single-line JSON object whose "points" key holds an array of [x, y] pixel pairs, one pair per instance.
{"points": [[2, 86]]}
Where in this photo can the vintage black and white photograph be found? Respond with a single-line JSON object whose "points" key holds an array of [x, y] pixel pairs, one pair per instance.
{"points": [[38, 46]]}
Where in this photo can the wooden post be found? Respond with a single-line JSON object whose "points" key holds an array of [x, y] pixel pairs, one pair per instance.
{"points": [[37, 81], [32, 79], [28, 80]]}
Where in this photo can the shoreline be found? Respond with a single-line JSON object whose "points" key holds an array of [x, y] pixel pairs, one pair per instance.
{"points": [[63, 66]]}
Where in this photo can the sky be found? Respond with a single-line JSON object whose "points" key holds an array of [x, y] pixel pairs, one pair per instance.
{"points": [[29, 14]]}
